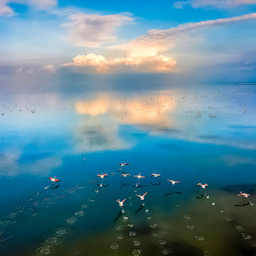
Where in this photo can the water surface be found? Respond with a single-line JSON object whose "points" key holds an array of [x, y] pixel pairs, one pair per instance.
{"points": [[202, 134]]}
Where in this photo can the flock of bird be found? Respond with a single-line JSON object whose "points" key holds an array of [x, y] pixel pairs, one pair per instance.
{"points": [[156, 175]]}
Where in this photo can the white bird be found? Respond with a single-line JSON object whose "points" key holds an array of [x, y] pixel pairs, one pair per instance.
{"points": [[54, 179], [139, 176], [123, 164], [143, 196], [125, 175], [102, 175], [173, 181], [155, 175], [202, 185], [121, 203], [244, 194]]}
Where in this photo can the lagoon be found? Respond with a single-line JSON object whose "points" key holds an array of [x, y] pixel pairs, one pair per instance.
{"points": [[190, 134]]}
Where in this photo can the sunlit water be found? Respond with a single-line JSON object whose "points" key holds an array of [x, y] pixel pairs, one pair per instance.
{"points": [[192, 135]]}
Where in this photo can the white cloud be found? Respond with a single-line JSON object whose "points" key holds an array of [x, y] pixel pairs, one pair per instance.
{"points": [[5, 10], [30, 71], [180, 5], [36, 70], [144, 52], [92, 30], [50, 68], [216, 3], [42, 4], [19, 70], [156, 41], [139, 63]]}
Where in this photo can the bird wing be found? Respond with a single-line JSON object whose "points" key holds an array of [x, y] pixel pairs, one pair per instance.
{"points": [[146, 193]]}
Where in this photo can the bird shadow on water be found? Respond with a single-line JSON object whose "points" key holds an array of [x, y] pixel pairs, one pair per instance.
{"points": [[119, 215]]}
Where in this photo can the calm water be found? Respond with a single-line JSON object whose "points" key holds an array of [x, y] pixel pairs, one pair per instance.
{"points": [[203, 134]]}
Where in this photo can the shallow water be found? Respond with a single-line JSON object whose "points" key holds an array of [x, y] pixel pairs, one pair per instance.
{"points": [[203, 134]]}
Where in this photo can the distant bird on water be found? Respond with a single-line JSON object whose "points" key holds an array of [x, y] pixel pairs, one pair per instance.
{"points": [[123, 164], [54, 179]]}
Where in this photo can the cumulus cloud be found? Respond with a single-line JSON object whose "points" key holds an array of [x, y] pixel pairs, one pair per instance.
{"points": [[138, 63], [36, 70], [19, 70], [31, 71], [216, 3], [50, 68], [5, 10], [144, 52], [92, 30]]}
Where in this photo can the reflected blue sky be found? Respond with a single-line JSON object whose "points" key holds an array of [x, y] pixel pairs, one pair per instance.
{"points": [[192, 135]]}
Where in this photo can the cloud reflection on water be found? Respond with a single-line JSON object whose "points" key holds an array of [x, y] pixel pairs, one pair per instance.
{"points": [[171, 114], [134, 111]]}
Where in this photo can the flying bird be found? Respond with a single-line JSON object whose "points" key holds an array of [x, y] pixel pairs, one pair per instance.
{"points": [[123, 164], [125, 175], [244, 194], [102, 175], [143, 196], [174, 182], [54, 179], [202, 185], [139, 176], [155, 175], [121, 203]]}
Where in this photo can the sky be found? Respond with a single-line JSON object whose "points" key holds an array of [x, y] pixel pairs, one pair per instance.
{"points": [[62, 41]]}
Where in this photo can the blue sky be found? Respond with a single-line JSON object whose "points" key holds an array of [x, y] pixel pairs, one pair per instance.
{"points": [[202, 40]]}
